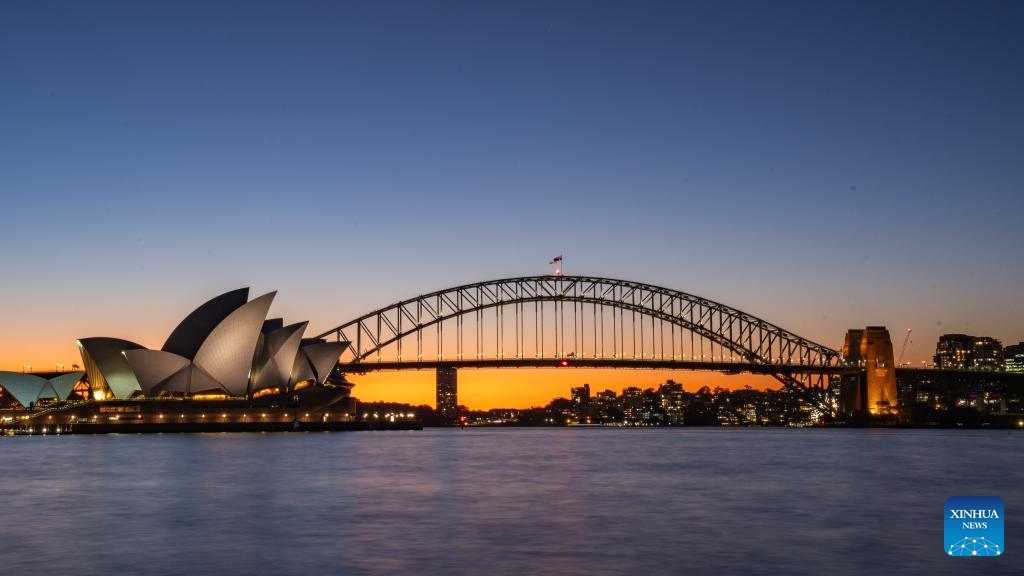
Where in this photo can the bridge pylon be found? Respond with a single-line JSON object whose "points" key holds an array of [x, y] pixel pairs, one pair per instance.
{"points": [[872, 388]]}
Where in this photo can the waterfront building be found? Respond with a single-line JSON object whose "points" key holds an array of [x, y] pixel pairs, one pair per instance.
{"points": [[608, 397], [447, 393], [987, 354], [225, 367], [226, 348], [1013, 358], [581, 402], [954, 352], [966, 352], [580, 395], [632, 402], [606, 406], [673, 401]]}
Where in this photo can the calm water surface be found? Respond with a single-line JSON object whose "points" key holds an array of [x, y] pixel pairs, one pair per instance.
{"points": [[503, 501]]}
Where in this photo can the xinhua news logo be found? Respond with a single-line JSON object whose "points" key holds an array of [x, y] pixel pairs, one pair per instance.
{"points": [[974, 526]]}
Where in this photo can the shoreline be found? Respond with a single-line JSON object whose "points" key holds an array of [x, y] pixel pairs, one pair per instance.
{"points": [[205, 427]]}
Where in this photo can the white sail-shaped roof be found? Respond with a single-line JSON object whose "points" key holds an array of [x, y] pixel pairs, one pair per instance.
{"points": [[202, 382], [176, 384], [223, 359], [280, 347], [64, 384], [302, 370], [189, 335], [106, 365], [319, 359], [24, 387], [228, 352], [154, 368]]}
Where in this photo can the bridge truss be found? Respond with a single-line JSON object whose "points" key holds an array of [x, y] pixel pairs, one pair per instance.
{"points": [[582, 320]]}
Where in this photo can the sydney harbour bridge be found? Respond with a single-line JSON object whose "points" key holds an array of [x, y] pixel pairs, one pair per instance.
{"points": [[581, 321], [593, 322]]}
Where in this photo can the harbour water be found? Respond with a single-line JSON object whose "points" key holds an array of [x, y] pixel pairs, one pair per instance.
{"points": [[504, 501]]}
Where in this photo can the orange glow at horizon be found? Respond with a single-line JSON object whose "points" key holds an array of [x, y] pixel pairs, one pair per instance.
{"points": [[45, 357], [479, 389], [484, 389]]}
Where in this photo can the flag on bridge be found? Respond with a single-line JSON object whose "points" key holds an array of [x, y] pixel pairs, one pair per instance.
{"points": [[557, 263]]}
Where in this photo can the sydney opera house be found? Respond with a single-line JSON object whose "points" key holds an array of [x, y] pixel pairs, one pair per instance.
{"points": [[225, 361], [226, 348]]}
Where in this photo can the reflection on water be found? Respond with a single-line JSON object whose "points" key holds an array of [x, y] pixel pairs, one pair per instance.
{"points": [[503, 501]]}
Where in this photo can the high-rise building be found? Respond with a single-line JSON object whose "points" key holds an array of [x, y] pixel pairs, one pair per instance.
{"points": [[954, 352], [605, 405], [1013, 358], [581, 396], [987, 354], [447, 393], [632, 403], [581, 402], [965, 352], [673, 401]]}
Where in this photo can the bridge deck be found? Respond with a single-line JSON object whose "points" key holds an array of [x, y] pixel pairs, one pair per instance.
{"points": [[646, 363], [655, 364]]}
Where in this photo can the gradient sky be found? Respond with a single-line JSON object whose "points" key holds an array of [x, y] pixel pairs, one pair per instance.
{"points": [[822, 165]]}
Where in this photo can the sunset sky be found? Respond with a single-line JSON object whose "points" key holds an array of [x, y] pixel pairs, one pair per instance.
{"points": [[821, 165]]}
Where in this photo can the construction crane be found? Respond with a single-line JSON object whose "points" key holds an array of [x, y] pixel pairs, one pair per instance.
{"points": [[903, 350]]}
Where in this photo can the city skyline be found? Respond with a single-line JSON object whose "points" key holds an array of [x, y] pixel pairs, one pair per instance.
{"points": [[823, 167]]}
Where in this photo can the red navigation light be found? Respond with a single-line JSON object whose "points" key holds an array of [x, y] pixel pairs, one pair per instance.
{"points": [[563, 362]]}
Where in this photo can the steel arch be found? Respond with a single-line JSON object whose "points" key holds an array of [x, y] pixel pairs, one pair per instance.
{"points": [[755, 340]]}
